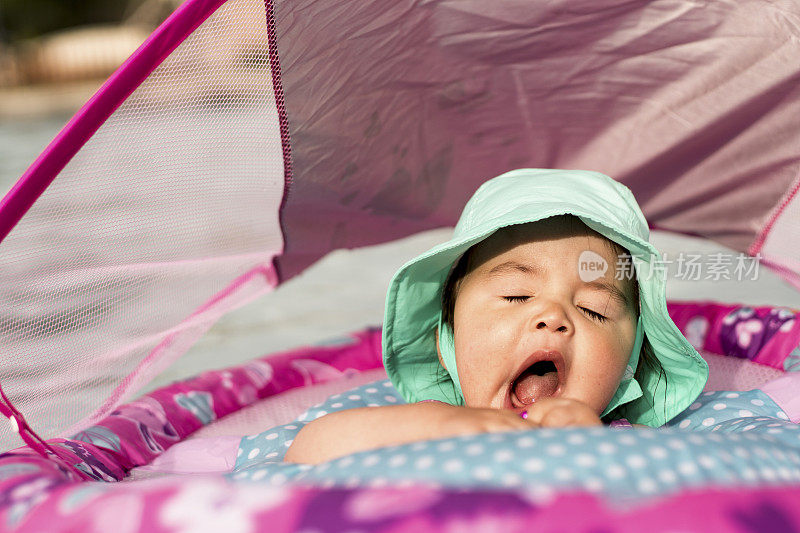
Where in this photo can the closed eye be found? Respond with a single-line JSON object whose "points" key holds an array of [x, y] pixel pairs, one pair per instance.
{"points": [[516, 299], [594, 315]]}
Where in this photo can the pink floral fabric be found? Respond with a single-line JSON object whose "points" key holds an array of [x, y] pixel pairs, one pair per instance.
{"points": [[211, 504], [138, 432], [766, 335]]}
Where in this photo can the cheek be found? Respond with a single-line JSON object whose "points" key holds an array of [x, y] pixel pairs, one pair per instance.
{"points": [[482, 341], [599, 377], [478, 330], [620, 351], [613, 351]]}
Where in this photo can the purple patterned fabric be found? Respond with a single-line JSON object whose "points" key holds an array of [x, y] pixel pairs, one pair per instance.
{"points": [[208, 503], [766, 335], [744, 332], [137, 432]]}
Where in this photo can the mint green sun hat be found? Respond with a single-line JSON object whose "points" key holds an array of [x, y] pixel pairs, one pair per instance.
{"points": [[413, 302]]}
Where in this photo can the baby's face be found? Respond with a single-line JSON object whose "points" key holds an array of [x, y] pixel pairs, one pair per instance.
{"points": [[526, 326]]}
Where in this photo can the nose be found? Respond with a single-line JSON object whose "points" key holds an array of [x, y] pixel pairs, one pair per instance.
{"points": [[551, 316]]}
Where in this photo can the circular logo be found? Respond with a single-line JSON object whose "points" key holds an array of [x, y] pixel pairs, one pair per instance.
{"points": [[591, 266]]}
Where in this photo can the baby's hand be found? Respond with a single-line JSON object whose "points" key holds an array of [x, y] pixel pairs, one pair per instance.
{"points": [[473, 420], [562, 412]]}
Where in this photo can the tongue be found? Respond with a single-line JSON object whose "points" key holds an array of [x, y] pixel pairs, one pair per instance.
{"points": [[530, 387]]}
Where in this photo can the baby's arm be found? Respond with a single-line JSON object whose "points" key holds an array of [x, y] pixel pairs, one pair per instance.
{"points": [[353, 430]]}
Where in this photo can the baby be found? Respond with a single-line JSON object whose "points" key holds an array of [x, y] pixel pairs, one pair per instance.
{"points": [[543, 310]]}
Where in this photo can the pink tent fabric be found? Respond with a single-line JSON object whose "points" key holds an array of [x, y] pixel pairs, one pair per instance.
{"points": [[245, 139], [412, 106]]}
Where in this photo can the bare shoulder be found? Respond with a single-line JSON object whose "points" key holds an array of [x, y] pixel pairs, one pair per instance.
{"points": [[352, 430]]}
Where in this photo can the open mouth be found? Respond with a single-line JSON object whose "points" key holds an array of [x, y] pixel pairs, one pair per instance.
{"points": [[539, 380]]}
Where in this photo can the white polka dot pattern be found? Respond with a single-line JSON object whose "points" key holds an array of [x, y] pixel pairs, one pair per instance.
{"points": [[724, 438]]}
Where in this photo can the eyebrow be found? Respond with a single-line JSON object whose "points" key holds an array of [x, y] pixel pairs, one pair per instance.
{"points": [[514, 266], [526, 268]]}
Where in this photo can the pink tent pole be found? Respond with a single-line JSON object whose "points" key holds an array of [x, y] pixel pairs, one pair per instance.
{"points": [[97, 110]]}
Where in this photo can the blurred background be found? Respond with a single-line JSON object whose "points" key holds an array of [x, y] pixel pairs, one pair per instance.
{"points": [[54, 54]]}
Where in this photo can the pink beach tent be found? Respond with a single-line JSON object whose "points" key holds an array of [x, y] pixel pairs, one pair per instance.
{"points": [[245, 140]]}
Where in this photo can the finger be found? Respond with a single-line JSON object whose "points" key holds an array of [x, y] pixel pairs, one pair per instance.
{"points": [[523, 421], [514, 421], [564, 417], [528, 424], [536, 412]]}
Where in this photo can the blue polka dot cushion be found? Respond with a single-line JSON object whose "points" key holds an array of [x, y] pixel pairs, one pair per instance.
{"points": [[723, 439]]}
